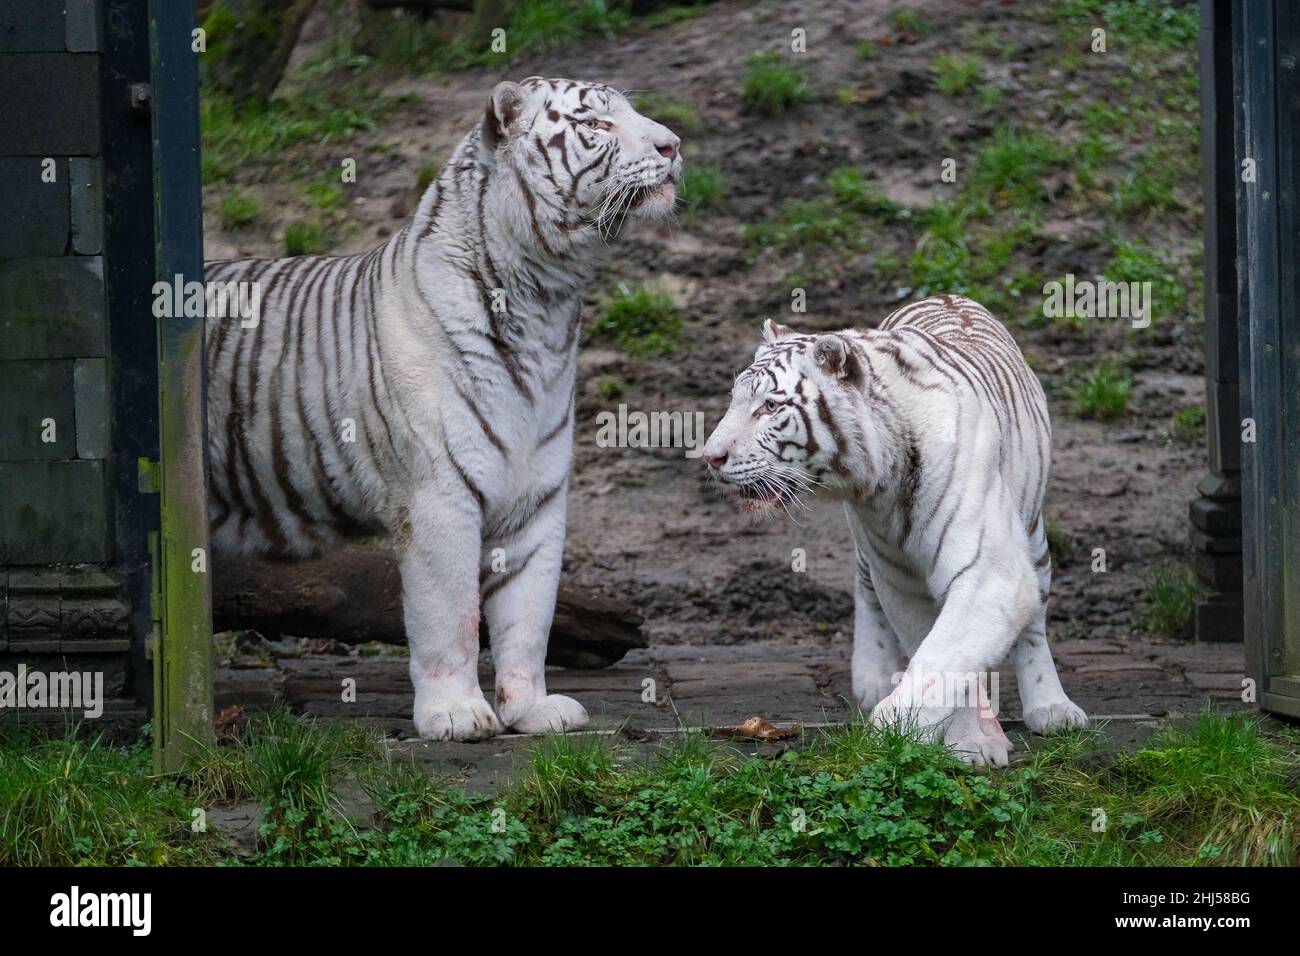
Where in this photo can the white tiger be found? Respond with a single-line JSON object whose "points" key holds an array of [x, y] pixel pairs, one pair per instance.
{"points": [[934, 433], [424, 390]]}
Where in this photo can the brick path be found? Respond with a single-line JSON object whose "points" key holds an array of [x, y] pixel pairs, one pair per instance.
{"points": [[711, 685]]}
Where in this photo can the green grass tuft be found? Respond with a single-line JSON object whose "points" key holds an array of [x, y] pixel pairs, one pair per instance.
{"points": [[306, 237], [641, 322], [704, 188], [239, 208], [953, 75], [909, 21], [1101, 393], [1170, 602], [771, 86], [1189, 424], [678, 115]]}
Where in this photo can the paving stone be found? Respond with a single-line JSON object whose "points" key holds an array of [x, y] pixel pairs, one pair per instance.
{"points": [[1215, 681]]}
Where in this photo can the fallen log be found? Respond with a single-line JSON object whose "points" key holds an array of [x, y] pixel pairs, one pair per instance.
{"points": [[355, 596]]}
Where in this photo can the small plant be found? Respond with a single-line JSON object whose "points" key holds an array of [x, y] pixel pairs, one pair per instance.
{"points": [[609, 387], [989, 98], [425, 176], [1102, 393], [953, 75], [327, 196], [1138, 262], [1060, 542], [866, 50], [641, 322], [1010, 170], [771, 86], [239, 208], [677, 115], [1189, 424], [305, 237], [909, 22], [1170, 601], [703, 187]]}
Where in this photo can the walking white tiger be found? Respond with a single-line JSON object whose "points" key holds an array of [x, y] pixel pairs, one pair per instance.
{"points": [[425, 390], [934, 433]]}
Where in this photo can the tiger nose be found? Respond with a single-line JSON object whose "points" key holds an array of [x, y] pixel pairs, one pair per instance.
{"points": [[716, 461], [668, 149]]}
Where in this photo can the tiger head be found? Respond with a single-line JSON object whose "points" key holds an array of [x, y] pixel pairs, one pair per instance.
{"points": [[790, 428], [583, 158]]}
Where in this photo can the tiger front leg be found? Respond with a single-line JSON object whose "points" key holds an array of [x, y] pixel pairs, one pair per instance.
{"points": [[942, 692], [440, 604], [877, 656], [521, 577]]}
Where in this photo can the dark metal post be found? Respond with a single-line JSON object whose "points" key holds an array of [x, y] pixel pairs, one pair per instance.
{"points": [[1216, 514], [183, 656], [1267, 249]]}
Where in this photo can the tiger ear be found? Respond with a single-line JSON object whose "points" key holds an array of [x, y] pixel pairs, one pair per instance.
{"points": [[504, 108], [773, 330], [831, 355]]}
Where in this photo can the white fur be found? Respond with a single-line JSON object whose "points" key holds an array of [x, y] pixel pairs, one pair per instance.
{"points": [[942, 476], [463, 414]]}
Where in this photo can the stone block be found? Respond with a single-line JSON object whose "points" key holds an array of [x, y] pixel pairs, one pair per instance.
{"points": [[52, 308], [55, 512], [35, 218], [37, 398]]}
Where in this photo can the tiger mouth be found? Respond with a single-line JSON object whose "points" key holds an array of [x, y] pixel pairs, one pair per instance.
{"points": [[759, 497], [665, 192]]}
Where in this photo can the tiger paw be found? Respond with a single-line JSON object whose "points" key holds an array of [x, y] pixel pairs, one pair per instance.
{"points": [[449, 718], [552, 713], [1056, 718], [977, 738]]}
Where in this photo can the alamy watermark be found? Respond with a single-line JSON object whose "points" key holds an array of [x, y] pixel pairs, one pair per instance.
{"points": [[64, 690], [951, 688], [1102, 299], [637, 429], [215, 300]]}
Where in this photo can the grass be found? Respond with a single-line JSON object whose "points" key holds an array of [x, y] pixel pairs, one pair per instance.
{"points": [[1217, 790], [1137, 261], [640, 321], [1188, 425], [1136, 23], [1102, 392], [1009, 171], [245, 139], [704, 188], [1169, 602], [678, 115], [425, 176], [909, 21], [83, 803], [771, 86], [840, 221], [609, 387], [306, 237], [239, 208], [953, 75]]}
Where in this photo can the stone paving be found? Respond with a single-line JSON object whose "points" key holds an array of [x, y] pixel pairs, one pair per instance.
{"points": [[1135, 685]]}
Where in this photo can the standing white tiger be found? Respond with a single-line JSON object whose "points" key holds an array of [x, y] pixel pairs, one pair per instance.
{"points": [[935, 434], [425, 390]]}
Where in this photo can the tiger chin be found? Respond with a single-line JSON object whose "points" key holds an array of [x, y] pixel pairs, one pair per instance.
{"points": [[934, 434], [423, 391]]}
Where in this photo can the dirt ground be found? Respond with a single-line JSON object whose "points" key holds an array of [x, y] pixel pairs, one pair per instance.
{"points": [[646, 525]]}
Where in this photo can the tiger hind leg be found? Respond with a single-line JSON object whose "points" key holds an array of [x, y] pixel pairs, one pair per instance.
{"points": [[1046, 708]]}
